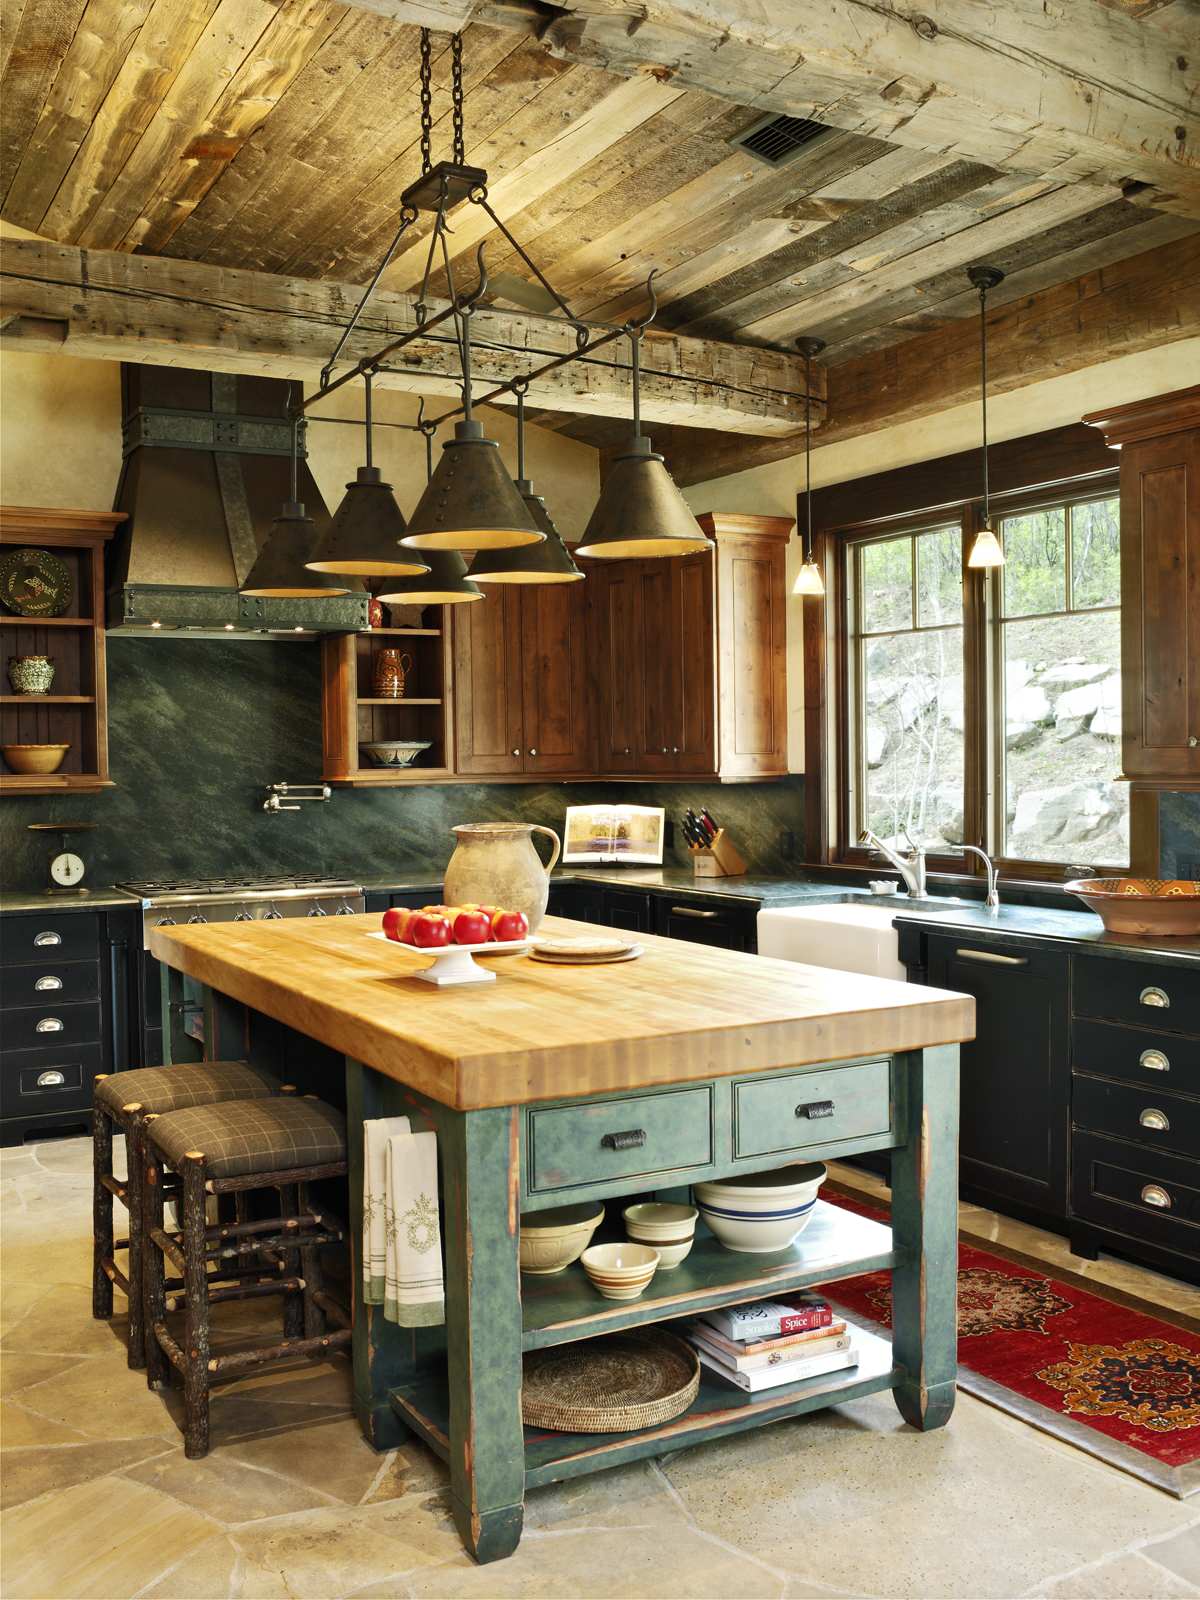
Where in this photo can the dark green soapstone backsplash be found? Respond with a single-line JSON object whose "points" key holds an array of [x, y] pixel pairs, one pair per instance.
{"points": [[198, 728]]}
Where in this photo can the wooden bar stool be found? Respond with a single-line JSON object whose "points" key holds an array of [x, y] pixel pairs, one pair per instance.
{"points": [[282, 1143], [119, 1100]]}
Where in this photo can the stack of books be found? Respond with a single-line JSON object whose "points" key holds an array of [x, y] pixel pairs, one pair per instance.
{"points": [[772, 1342]]}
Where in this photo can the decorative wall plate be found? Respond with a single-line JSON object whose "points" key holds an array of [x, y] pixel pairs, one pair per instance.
{"points": [[34, 583]]}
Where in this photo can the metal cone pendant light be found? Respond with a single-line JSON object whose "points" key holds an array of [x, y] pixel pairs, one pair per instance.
{"points": [[443, 580], [986, 550], [549, 562], [280, 570]]}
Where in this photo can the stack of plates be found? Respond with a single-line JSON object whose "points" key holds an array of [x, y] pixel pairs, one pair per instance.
{"points": [[584, 952]]}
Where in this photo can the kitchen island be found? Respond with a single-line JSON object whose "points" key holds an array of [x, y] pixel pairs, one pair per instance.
{"points": [[558, 1084]]}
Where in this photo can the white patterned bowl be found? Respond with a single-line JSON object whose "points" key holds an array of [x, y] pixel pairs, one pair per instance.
{"points": [[761, 1213], [551, 1240], [659, 1223], [620, 1271]]}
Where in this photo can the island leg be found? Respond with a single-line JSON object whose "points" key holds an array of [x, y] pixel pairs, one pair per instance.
{"points": [[925, 1230], [480, 1171]]}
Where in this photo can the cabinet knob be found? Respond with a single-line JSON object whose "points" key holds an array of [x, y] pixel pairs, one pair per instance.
{"points": [[631, 1139], [533, 750], [48, 1025], [815, 1110], [48, 982], [1155, 1195], [1153, 1118], [626, 751], [664, 750], [1155, 1060], [51, 1080], [1154, 996], [41, 939], [1193, 741], [674, 749], [517, 752]]}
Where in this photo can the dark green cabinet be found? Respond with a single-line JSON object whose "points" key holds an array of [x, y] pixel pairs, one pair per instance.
{"points": [[708, 919]]}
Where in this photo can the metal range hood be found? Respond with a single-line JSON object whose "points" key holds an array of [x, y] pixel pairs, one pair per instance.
{"points": [[205, 467]]}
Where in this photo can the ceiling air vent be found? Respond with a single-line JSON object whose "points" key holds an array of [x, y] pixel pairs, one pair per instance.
{"points": [[778, 140]]}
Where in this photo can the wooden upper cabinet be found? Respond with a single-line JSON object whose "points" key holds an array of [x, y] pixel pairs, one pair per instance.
{"points": [[751, 642], [558, 735], [1159, 441], [488, 680], [614, 601]]}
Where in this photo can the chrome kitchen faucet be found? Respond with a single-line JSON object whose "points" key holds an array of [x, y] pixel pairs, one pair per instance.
{"points": [[911, 867]]}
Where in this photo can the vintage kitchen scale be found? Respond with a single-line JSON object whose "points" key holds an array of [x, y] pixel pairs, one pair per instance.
{"points": [[65, 867]]}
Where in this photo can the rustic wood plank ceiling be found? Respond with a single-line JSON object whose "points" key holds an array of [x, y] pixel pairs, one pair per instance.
{"points": [[279, 137]]}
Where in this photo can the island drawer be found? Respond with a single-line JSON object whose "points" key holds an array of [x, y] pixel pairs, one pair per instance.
{"points": [[71, 937], [1136, 1055], [49, 984], [36, 1081], [1148, 1195], [1148, 1115], [1152, 993], [50, 1026], [782, 1115], [594, 1142]]}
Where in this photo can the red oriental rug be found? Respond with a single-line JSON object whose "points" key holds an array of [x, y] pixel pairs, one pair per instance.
{"points": [[1112, 1374]]}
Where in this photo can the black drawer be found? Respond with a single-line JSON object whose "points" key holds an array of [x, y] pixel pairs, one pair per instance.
{"points": [[729, 924], [35, 1081], [59, 936], [50, 1026], [1136, 1055], [1147, 992], [49, 984], [1149, 1196], [1153, 1116]]}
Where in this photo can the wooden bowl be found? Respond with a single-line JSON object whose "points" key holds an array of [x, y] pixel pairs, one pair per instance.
{"points": [[34, 758], [1169, 907]]}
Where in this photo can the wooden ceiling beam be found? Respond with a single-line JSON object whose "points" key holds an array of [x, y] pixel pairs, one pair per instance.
{"points": [[121, 307]]}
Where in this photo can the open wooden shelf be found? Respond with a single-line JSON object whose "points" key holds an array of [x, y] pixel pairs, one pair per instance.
{"points": [[47, 699], [396, 700], [47, 622], [404, 633]]}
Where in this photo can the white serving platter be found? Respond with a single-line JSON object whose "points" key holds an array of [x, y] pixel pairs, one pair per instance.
{"points": [[454, 963]]}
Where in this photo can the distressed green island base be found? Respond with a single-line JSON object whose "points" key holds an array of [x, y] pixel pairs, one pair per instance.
{"points": [[458, 1387]]}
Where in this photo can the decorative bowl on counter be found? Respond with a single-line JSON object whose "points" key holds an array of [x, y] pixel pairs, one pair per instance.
{"points": [[620, 1271], [761, 1212], [1167, 906], [669, 1229], [394, 752], [34, 758], [551, 1240]]}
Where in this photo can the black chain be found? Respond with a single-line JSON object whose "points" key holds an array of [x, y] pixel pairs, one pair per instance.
{"points": [[458, 155], [426, 112]]}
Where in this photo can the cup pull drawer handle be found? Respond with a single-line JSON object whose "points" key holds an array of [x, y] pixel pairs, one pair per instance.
{"points": [[43, 939], [48, 1025], [1153, 1118], [1155, 1195], [1154, 996], [1155, 1060], [694, 911], [48, 982], [51, 1080], [993, 956], [631, 1139], [815, 1109]]}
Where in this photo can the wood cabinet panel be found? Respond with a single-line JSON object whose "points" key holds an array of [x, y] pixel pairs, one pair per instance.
{"points": [[488, 676], [614, 596], [694, 621], [752, 626], [554, 677]]}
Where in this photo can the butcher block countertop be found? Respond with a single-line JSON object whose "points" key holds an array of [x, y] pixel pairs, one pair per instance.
{"points": [[682, 1012]]}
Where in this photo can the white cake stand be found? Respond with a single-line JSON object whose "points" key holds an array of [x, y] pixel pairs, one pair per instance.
{"points": [[454, 963]]}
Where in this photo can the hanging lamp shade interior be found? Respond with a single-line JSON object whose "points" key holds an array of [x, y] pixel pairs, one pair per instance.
{"points": [[808, 579], [640, 511], [364, 535], [471, 502], [549, 562], [986, 549], [280, 571], [444, 582]]}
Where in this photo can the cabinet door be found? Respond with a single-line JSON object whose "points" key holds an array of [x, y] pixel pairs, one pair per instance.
{"points": [[752, 666], [705, 921], [627, 908], [615, 599], [661, 731], [487, 683], [696, 663], [554, 670], [1015, 1079]]}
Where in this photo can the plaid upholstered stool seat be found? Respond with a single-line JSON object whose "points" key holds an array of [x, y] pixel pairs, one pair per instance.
{"points": [[119, 1101], [284, 1143]]}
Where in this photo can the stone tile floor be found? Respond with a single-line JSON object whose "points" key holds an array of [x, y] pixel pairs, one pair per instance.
{"points": [[100, 1502]]}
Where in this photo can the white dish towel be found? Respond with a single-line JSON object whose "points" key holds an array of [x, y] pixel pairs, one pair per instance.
{"points": [[414, 1292], [376, 1134]]}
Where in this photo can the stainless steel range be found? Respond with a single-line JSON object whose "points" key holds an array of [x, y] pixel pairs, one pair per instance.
{"points": [[169, 902]]}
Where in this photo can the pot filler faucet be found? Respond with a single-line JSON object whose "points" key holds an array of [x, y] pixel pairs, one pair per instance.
{"points": [[911, 867]]}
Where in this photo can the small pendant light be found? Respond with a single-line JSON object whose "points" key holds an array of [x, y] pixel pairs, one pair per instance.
{"points": [[280, 570], [532, 563], [985, 547], [471, 503], [364, 536], [808, 579], [640, 511], [443, 580]]}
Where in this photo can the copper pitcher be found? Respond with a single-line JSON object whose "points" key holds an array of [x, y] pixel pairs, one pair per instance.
{"points": [[391, 671]]}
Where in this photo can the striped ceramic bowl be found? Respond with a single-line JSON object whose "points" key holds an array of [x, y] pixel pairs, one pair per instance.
{"points": [[761, 1212]]}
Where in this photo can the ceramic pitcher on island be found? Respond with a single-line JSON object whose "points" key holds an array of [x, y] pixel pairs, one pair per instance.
{"points": [[495, 864]]}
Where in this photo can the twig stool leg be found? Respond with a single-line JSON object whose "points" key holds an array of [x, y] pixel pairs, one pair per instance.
{"points": [[154, 1296], [102, 1215], [134, 1186], [195, 1287], [310, 1271], [293, 1304]]}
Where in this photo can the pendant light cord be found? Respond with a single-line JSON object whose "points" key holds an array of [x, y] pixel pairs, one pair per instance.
{"points": [[983, 289], [808, 538], [519, 387], [367, 376], [635, 340]]}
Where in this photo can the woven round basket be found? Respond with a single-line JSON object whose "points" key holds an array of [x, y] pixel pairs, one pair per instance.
{"points": [[615, 1384]]}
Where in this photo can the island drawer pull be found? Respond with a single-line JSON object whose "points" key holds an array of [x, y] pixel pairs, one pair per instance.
{"points": [[1155, 1195], [815, 1109], [693, 911], [48, 982], [1155, 1060], [631, 1139], [42, 939], [1154, 996], [48, 1025], [1152, 1117], [54, 1079], [993, 956]]}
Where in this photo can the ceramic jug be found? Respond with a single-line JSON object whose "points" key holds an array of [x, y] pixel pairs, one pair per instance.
{"points": [[31, 674], [495, 864], [391, 669]]}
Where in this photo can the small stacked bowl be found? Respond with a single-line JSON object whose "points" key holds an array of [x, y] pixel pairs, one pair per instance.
{"points": [[551, 1240], [620, 1271], [669, 1229], [760, 1213]]}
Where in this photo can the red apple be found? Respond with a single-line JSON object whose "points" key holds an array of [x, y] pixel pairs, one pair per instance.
{"points": [[395, 923], [509, 925], [428, 930], [472, 927]]}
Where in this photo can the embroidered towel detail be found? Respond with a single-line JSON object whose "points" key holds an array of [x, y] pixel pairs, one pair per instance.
{"points": [[376, 1134], [414, 1295]]}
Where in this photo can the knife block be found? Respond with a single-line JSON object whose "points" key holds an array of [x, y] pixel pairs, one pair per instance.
{"points": [[719, 859]]}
